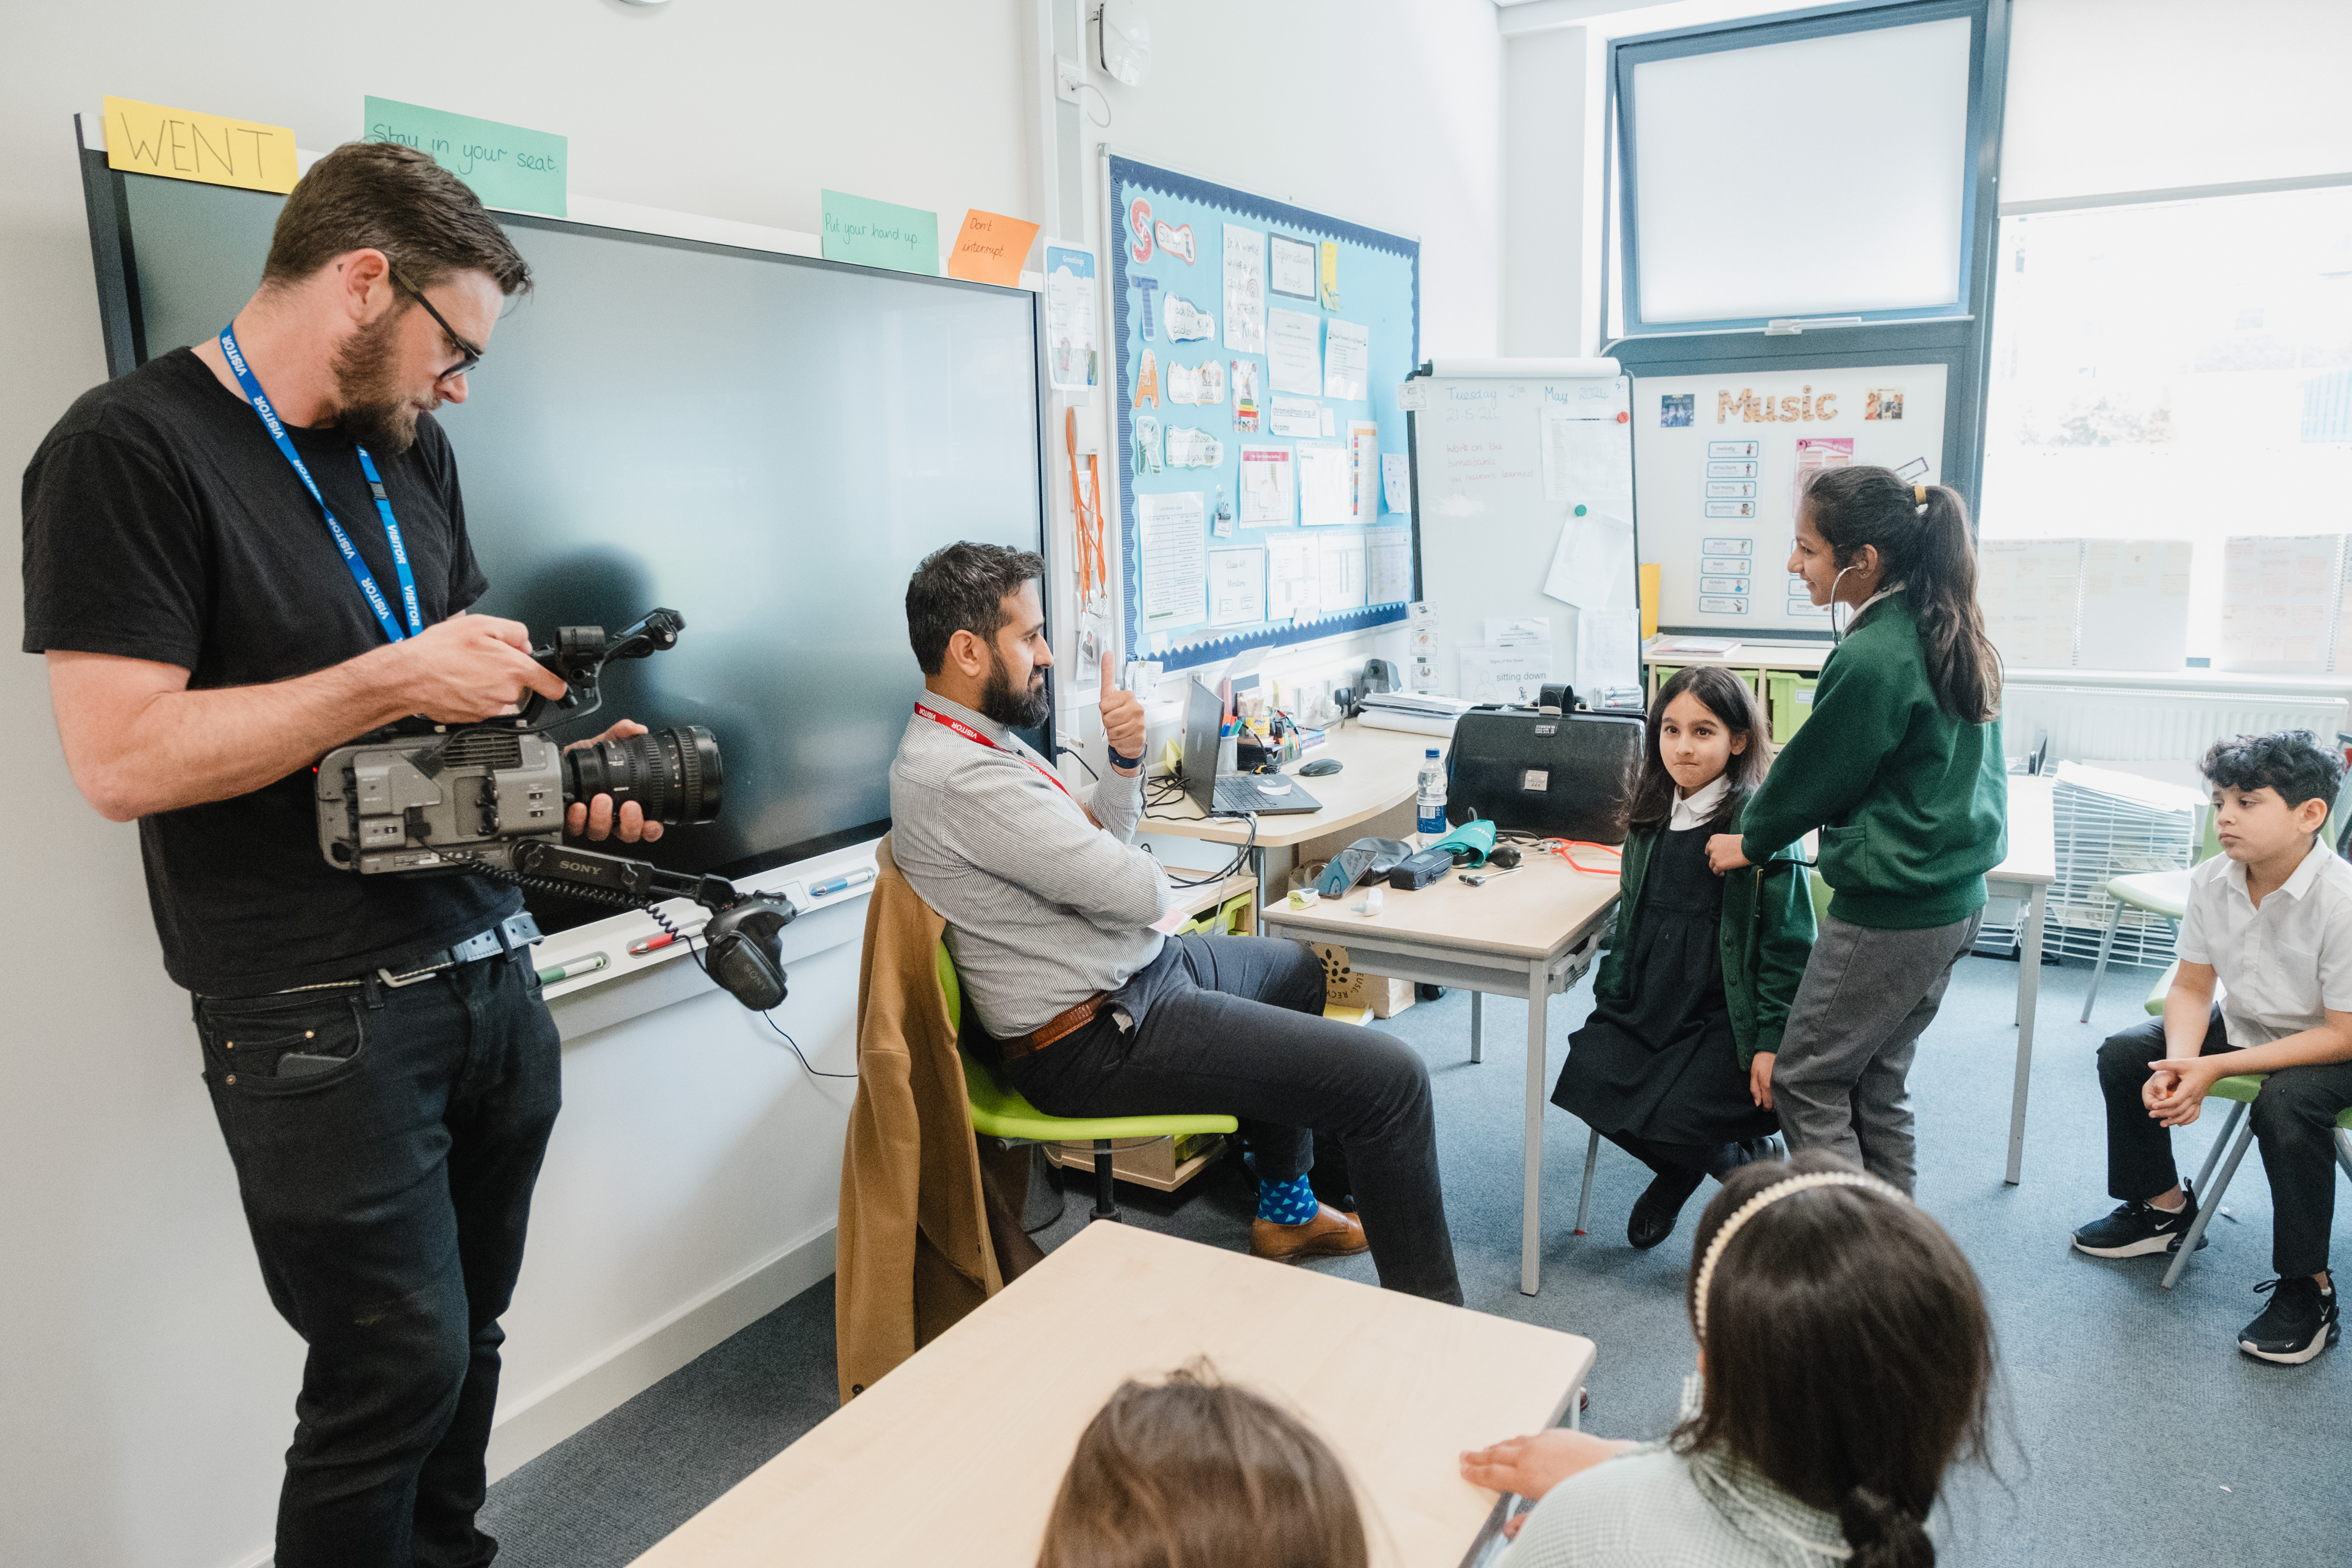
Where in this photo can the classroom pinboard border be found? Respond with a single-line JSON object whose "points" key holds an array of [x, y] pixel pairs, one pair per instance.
{"points": [[1117, 168]]}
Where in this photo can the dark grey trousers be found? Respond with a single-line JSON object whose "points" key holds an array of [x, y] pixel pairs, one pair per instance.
{"points": [[1234, 1025], [1841, 1080]]}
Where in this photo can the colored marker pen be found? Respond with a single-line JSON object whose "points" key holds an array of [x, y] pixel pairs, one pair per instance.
{"points": [[840, 884], [574, 970], [656, 943]]}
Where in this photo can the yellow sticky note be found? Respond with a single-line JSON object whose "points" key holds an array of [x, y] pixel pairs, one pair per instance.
{"points": [[182, 144], [989, 249]]}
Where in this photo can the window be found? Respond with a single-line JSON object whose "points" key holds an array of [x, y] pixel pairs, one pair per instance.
{"points": [[2179, 371]]}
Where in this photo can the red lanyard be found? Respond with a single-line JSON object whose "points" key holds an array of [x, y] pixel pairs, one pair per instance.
{"points": [[968, 734]]}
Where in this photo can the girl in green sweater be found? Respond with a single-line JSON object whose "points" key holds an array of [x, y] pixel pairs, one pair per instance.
{"points": [[1900, 767]]}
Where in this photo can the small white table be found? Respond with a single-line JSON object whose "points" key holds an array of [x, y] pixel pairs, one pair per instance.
{"points": [[2031, 867], [1529, 933]]}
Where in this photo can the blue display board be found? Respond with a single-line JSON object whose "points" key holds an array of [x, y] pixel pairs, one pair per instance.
{"points": [[1253, 514]]}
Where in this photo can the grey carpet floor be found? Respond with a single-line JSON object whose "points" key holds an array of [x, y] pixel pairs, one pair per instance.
{"points": [[2131, 1431]]}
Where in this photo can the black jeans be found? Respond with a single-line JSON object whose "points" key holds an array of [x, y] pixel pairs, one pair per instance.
{"points": [[2293, 1119], [1234, 1025], [387, 1197]]}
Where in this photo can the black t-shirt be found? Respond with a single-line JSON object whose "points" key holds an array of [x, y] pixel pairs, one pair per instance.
{"points": [[161, 522]]}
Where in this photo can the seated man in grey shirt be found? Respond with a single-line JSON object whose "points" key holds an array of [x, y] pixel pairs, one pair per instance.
{"points": [[1052, 917]]}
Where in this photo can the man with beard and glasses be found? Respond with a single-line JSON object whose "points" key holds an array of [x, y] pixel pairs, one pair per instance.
{"points": [[236, 558], [1056, 924]]}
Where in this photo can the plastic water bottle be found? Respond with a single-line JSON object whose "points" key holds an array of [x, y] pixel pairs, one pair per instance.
{"points": [[1432, 809]]}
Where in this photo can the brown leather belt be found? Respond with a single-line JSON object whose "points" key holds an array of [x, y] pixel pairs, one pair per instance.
{"points": [[1067, 1022]]}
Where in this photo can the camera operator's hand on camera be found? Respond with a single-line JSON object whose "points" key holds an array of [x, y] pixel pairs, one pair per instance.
{"points": [[471, 668], [595, 817], [1122, 719]]}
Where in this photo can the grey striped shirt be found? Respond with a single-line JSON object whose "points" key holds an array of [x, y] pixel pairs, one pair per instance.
{"points": [[1043, 907]]}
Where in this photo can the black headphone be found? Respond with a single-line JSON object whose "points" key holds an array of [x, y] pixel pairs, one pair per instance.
{"points": [[747, 950]]}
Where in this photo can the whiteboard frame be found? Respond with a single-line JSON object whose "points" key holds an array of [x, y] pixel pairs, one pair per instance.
{"points": [[1988, 75]]}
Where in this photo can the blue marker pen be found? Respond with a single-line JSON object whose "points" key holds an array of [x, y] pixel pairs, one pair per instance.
{"points": [[841, 884]]}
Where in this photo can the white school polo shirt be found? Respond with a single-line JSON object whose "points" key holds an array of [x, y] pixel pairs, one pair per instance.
{"points": [[2281, 965]]}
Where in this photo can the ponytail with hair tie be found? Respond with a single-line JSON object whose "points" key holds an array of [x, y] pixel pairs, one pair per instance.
{"points": [[1925, 547], [1883, 1532]]}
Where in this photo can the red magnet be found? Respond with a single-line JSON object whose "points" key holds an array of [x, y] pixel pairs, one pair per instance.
{"points": [[1621, 419]]}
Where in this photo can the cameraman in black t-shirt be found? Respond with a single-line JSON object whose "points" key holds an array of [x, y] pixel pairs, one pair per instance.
{"points": [[237, 558]]}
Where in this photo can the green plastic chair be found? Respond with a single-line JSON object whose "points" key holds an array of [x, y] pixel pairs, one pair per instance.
{"points": [[2241, 1088], [998, 1110]]}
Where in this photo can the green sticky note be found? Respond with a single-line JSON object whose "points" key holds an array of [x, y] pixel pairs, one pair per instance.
{"points": [[506, 165], [880, 234]]}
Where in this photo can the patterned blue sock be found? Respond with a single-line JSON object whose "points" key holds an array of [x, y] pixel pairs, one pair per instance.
{"points": [[1287, 1203]]}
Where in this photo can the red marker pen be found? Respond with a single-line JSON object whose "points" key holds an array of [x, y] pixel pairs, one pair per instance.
{"points": [[651, 944]]}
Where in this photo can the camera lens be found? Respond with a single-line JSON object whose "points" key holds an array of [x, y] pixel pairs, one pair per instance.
{"points": [[673, 774]]}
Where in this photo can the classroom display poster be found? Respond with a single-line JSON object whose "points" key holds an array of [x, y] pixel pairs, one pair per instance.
{"points": [[1721, 457], [1254, 353]]}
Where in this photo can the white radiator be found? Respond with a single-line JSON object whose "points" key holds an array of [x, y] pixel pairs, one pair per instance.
{"points": [[2130, 725]]}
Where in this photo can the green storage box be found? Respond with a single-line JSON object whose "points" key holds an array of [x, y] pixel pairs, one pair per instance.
{"points": [[1792, 703]]}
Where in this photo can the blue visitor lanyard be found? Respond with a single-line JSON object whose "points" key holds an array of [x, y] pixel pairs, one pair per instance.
{"points": [[359, 570]]}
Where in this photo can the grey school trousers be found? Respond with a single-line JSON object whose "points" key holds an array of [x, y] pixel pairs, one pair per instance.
{"points": [[1840, 1079]]}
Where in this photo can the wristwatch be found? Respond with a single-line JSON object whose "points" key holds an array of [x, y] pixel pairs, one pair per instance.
{"points": [[1122, 763]]}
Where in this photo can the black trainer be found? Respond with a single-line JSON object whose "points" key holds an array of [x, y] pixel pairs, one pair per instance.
{"points": [[2135, 1229], [2296, 1326]]}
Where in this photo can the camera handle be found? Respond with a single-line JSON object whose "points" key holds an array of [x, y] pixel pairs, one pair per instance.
{"points": [[579, 653], [744, 934]]}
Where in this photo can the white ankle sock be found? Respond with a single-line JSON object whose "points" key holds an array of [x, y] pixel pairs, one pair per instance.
{"points": [[2175, 1208]]}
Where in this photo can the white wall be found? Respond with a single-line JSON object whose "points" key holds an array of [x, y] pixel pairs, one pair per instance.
{"points": [[145, 1383]]}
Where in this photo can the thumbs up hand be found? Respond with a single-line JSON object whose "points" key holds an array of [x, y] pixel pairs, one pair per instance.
{"points": [[1122, 720]]}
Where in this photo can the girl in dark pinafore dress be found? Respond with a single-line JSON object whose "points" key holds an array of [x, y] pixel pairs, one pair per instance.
{"points": [[1675, 1065]]}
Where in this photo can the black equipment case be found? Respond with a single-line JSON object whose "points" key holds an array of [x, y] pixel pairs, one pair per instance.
{"points": [[1563, 775]]}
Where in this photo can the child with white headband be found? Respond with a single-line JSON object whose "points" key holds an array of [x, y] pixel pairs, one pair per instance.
{"points": [[1844, 1361]]}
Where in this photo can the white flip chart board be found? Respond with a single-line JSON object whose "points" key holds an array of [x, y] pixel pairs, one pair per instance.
{"points": [[1523, 511], [1716, 458]]}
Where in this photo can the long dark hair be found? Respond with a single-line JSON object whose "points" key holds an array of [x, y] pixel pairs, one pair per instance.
{"points": [[1849, 1356], [1728, 698], [1921, 532]]}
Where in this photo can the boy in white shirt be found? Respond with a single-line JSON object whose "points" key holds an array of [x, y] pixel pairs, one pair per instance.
{"points": [[2271, 916]]}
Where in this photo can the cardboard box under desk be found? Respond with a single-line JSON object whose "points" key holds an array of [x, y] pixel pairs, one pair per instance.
{"points": [[1346, 986], [1164, 1165]]}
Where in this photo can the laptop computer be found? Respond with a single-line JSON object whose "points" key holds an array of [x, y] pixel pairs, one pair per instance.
{"points": [[1235, 793]]}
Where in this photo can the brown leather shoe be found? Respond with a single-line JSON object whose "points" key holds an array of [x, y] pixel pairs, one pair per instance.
{"points": [[1329, 1234]]}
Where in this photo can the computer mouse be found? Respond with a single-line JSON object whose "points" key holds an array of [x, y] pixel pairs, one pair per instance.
{"points": [[1506, 856], [1321, 767]]}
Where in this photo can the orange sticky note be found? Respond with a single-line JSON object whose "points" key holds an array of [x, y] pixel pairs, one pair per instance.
{"points": [[989, 249]]}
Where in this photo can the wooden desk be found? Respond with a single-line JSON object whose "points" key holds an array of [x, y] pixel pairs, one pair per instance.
{"points": [[2027, 873], [1528, 933], [955, 1456]]}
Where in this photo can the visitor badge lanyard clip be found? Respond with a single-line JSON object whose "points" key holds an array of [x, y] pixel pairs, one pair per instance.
{"points": [[359, 569], [968, 734]]}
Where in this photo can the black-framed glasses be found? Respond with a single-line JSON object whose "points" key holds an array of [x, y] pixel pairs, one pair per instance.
{"points": [[473, 356]]}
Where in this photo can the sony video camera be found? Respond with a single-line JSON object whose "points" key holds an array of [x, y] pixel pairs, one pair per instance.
{"points": [[420, 797]]}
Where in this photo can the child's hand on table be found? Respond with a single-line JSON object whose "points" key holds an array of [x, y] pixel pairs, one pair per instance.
{"points": [[1533, 1465]]}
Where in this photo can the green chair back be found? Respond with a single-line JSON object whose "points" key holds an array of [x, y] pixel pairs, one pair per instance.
{"points": [[1820, 897]]}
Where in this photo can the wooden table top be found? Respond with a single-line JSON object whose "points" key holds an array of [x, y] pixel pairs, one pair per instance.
{"points": [[1526, 913], [955, 1456], [1381, 770]]}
